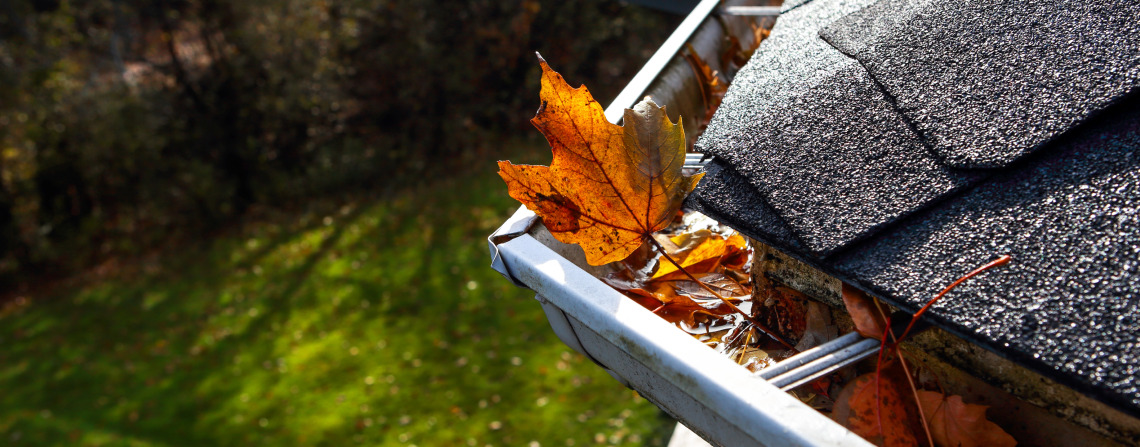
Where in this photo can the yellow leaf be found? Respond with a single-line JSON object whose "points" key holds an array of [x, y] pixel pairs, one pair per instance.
{"points": [[608, 187], [704, 248]]}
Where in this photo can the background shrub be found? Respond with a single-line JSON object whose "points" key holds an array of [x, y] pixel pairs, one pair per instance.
{"points": [[131, 124]]}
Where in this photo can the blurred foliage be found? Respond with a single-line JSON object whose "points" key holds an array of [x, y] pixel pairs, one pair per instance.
{"points": [[130, 124]]}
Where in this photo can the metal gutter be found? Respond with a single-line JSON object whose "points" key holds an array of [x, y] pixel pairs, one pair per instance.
{"points": [[637, 86], [723, 402]]}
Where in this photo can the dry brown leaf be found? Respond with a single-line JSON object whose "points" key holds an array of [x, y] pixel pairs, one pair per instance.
{"points": [[954, 423], [718, 282], [712, 87], [684, 300], [608, 187], [781, 308], [868, 321], [736, 54], [680, 300], [818, 327], [880, 414]]}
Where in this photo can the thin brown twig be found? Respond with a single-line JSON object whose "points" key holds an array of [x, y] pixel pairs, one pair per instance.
{"points": [[914, 391], [708, 289], [906, 372], [999, 261]]}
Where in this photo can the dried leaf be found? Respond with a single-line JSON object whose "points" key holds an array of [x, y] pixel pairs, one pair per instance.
{"points": [[736, 54], [954, 423], [880, 414], [719, 282], [781, 308], [702, 253], [712, 87], [608, 187], [684, 300], [868, 321], [818, 328]]}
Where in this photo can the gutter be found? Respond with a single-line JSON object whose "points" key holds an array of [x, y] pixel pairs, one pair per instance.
{"points": [[716, 398]]}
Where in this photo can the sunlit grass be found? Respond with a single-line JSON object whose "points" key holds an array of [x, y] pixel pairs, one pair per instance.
{"points": [[377, 322]]}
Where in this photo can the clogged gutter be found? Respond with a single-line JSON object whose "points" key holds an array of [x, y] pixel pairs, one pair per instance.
{"points": [[616, 191], [588, 196], [721, 258]]}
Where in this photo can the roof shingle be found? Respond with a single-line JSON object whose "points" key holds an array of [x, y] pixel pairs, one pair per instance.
{"points": [[928, 153], [986, 82]]}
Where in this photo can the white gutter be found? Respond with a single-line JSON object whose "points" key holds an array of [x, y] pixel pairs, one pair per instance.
{"points": [[712, 395], [637, 86], [723, 402]]}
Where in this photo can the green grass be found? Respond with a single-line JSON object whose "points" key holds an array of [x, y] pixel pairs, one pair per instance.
{"points": [[378, 323]]}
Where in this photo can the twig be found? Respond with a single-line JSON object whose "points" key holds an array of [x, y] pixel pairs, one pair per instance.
{"points": [[914, 391], [897, 340], [999, 261], [747, 340], [906, 372], [878, 373]]}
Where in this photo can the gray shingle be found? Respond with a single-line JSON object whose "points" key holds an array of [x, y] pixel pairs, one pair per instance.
{"points": [[1069, 302], [814, 135], [720, 197], [985, 82], [820, 157]]}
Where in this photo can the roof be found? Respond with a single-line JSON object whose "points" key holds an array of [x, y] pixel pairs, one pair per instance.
{"points": [[898, 144]]}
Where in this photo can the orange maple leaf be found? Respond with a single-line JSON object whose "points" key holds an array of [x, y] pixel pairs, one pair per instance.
{"points": [[956, 423], [608, 187]]}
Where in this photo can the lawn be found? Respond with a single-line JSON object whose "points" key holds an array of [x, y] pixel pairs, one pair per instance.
{"points": [[371, 321]]}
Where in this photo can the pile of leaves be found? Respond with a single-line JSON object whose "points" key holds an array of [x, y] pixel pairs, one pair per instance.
{"points": [[616, 191], [720, 259], [611, 188]]}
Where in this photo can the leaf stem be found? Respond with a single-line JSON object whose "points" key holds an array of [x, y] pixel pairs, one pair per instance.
{"points": [[914, 391], [708, 289], [999, 261], [906, 373], [897, 340]]}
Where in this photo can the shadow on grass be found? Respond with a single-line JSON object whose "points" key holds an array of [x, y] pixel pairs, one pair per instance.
{"points": [[378, 324], [142, 362]]}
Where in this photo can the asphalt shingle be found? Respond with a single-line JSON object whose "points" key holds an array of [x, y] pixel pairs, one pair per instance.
{"points": [[903, 177], [808, 127], [726, 196], [1069, 302], [968, 74]]}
